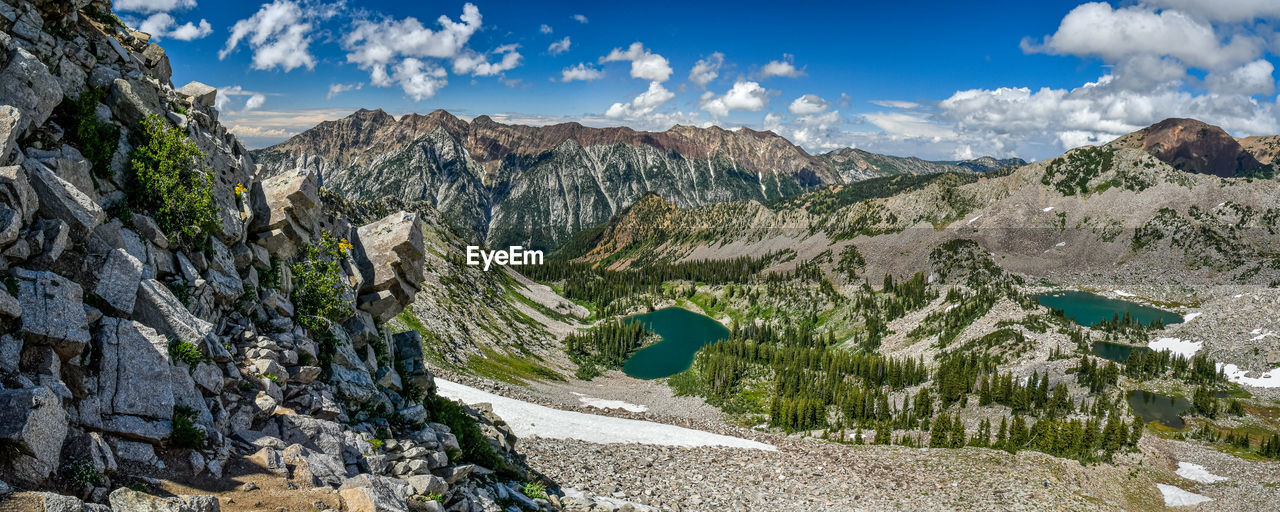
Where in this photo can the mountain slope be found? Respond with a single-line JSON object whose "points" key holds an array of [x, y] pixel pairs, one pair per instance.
{"points": [[1193, 146], [854, 164], [534, 186]]}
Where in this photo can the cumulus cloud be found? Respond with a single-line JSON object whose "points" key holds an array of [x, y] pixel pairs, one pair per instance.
{"points": [[744, 96], [336, 89], [1098, 30], [226, 95], [907, 125], [706, 70], [807, 105], [419, 79], [643, 104], [1253, 78], [784, 68], [559, 47], [150, 6], [892, 103], [162, 25], [545, 28], [279, 35], [582, 72], [475, 64], [579, 18], [644, 64], [255, 100], [1218, 10]]}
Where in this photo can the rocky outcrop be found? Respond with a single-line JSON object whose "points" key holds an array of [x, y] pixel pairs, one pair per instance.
{"points": [[390, 260], [1192, 146], [34, 424]]}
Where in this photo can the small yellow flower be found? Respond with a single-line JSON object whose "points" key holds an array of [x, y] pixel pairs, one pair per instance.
{"points": [[344, 246], [240, 190]]}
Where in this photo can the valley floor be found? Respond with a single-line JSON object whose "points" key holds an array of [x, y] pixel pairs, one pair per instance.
{"points": [[811, 474]]}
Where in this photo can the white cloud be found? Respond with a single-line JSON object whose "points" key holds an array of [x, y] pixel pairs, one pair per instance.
{"points": [[256, 100], [150, 6], [1219, 10], [643, 104], [783, 67], [907, 125], [644, 64], [808, 104], [579, 18], [745, 96], [336, 89], [1095, 29], [162, 25], [475, 64], [420, 80], [1250, 79], [559, 47], [279, 34], [706, 70], [580, 72], [545, 29], [892, 103]]}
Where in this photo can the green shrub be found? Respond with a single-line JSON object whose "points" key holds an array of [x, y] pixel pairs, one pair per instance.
{"points": [[435, 496], [83, 473], [475, 447], [169, 181], [96, 140], [185, 432], [185, 352], [534, 490], [318, 287]]}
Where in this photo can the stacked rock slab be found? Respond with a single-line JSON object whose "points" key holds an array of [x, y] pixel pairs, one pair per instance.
{"points": [[390, 259]]}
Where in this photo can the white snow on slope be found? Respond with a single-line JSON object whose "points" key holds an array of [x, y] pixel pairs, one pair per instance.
{"points": [[1123, 293], [1270, 379], [1185, 348], [1197, 473], [1047, 209], [973, 219], [1262, 336], [600, 403], [1175, 497], [528, 419], [1191, 316]]}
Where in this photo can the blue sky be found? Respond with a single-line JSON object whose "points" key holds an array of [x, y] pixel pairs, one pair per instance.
{"points": [[939, 80]]}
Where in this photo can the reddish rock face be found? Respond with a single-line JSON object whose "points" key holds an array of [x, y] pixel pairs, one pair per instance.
{"points": [[1265, 148], [1193, 146]]}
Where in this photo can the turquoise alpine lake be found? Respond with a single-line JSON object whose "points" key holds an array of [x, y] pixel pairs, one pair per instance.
{"points": [[683, 332], [1088, 309], [1167, 410], [1117, 352]]}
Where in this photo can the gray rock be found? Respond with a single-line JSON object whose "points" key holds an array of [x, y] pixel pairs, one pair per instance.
{"points": [[285, 211], [27, 84], [52, 311], [202, 503], [305, 374], [147, 227], [126, 499], [157, 63], [427, 484], [453, 474], [158, 308], [118, 281], [132, 100], [9, 306], [51, 236], [61, 200], [200, 94], [17, 193], [269, 459], [389, 254], [314, 468], [10, 352], [100, 453], [10, 119], [375, 494], [208, 377], [133, 451], [10, 225], [134, 375], [35, 424]]}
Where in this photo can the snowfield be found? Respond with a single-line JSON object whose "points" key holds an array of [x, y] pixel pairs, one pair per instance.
{"points": [[1123, 293], [528, 419], [1175, 497], [600, 403], [1185, 348], [1270, 379], [1191, 316], [1197, 473]]}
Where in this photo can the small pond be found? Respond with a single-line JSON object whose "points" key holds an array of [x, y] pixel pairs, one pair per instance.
{"points": [[683, 332], [1088, 309], [1117, 352], [1167, 410]]}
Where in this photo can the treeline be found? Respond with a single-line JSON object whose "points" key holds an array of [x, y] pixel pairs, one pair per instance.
{"points": [[606, 289], [1149, 364], [606, 345]]}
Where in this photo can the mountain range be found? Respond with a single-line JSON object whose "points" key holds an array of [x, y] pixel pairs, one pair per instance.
{"points": [[536, 186]]}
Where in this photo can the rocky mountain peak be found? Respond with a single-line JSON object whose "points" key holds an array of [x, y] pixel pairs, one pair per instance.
{"points": [[1193, 146]]}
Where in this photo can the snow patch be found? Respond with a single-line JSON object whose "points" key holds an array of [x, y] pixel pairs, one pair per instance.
{"points": [[1061, 244], [600, 403], [1123, 293], [1270, 379], [1184, 348], [1197, 473], [1256, 331], [1191, 316], [1048, 209], [1175, 497], [528, 419], [973, 219], [1262, 336]]}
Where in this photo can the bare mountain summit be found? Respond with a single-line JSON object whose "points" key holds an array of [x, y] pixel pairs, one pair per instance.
{"points": [[1193, 146]]}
